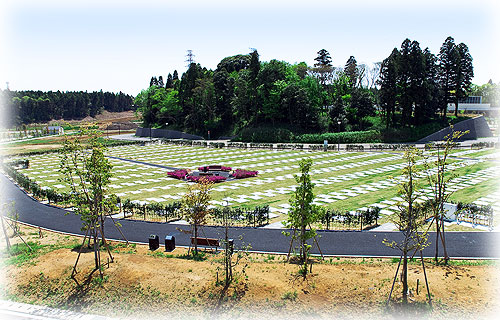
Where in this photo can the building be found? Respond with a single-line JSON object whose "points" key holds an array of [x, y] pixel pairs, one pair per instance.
{"points": [[473, 104], [55, 130]]}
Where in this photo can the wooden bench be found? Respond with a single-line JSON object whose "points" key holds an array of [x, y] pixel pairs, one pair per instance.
{"points": [[206, 242]]}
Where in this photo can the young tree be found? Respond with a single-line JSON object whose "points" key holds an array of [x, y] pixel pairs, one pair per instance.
{"points": [[195, 207], [87, 172], [409, 218], [232, 256], [303, 214], [439, 177]]}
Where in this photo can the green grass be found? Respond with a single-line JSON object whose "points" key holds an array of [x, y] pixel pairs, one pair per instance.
{"points": [[240, 158], [21, 254]]}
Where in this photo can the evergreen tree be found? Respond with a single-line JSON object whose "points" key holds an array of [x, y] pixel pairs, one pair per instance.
{"points": [[170, 82], [449, 59], [388, 87], [175, 76], [160, 82], [323, 66], [464, 74], [351, 71]]}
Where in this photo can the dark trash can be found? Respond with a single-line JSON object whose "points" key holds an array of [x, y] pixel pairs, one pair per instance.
{"points": [[154, 242], [169, 243]]}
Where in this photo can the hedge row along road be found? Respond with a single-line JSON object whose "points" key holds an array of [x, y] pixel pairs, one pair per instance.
{"points": [[334, 243]]}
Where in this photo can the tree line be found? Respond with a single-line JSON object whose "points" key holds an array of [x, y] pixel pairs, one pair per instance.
{"points": [[38, 106], [408, 88], [416, 85]]}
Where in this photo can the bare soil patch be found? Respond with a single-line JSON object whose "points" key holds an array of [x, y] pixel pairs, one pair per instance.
{"points": [[153, 284]]}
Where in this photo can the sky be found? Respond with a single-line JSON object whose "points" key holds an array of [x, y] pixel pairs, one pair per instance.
{"points": [[119, 45]]}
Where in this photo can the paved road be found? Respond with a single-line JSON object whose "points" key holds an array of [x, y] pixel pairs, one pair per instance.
{"points": [[342, 243]]}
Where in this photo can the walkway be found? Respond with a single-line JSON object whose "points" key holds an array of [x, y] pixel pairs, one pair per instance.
{"points": [[337, 243]]}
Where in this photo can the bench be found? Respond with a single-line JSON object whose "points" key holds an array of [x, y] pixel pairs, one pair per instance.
{"points": [[206, 242]]}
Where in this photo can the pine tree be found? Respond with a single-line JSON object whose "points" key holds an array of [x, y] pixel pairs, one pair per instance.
{"points": [[351, 70], [388, 87], [170, 82], [449, 58], [323, 66], [464, 74]]}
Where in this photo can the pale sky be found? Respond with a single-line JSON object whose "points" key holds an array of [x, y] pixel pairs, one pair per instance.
{"points": [[118, 45]]}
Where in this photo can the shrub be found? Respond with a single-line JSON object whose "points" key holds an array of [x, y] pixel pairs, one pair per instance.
{"points": [[242, 173], [340, 137], [178, 174]]}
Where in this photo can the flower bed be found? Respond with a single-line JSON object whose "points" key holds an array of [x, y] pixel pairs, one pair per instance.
{"points": [[242, 173], [213, 179], [178, 174]]}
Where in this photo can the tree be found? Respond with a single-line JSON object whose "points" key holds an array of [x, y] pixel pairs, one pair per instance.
{"points": [[323, 66], [232, 256], [439, 178], [351, 71], [87, 172], [388, 87], [464, 74], [449, 59], [170, 82], [409, 218], [195, 207], [303, 214], [160, 82]]}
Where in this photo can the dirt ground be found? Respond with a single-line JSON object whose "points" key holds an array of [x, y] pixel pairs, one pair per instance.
{"points": [[148, 283], [105, 116]]}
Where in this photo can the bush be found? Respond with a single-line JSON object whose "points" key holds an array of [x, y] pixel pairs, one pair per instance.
{"points": [[369, 136], [178, 174], [242, 173]]}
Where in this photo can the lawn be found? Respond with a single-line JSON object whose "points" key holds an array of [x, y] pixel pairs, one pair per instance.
{"points": [[343, 180]]}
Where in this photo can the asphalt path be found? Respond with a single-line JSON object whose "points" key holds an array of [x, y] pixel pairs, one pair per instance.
{"points": [[335, 243]]}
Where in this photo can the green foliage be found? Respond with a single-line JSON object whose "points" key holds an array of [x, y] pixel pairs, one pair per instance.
{"points": [[342, 137], [303, 214], [290, 295], [265, 134], [38, 106]]}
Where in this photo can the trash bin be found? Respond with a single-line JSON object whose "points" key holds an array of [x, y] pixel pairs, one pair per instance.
{"points": [[169, 243], [154, 242]]}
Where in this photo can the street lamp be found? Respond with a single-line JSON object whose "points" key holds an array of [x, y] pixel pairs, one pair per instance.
{"points": [[338, 141]]}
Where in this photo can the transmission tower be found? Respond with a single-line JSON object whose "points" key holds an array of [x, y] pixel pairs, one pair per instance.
{"points": [[189, 58]]}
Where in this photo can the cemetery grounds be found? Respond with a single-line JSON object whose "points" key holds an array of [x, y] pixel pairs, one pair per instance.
{"points": [[158, 282], [347, 181]]}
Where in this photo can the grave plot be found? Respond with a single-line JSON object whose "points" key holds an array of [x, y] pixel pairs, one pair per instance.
{"points": [[345, 180]]}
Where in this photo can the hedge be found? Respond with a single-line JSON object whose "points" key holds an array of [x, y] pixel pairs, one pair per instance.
{"points": [[369, 136]]}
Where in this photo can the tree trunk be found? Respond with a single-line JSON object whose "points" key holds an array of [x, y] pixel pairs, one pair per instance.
{"points": [[195, 239], [437, 239], [405, 277]]}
